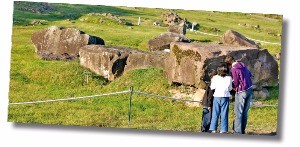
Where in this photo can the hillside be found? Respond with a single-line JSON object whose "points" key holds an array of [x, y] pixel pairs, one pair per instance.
{"points": [[34, 79]]}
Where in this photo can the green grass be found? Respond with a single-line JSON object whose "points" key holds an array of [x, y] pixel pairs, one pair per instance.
{"points": [[35, 79]]}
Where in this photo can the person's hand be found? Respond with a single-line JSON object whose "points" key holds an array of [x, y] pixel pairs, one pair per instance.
{"points": [[209, 108]]}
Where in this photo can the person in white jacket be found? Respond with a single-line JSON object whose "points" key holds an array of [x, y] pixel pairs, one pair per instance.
{"points": [[222, 84]]}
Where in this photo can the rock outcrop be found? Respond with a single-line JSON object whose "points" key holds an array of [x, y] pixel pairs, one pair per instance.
{"points": [[189, 63], [110, 16], [171, 18], [37, 7], [234, 38], [61, 43], [164, 40], [112, 62]]}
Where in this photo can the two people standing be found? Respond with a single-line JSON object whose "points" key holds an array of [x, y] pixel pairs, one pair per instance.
{"points": [[218, 93]]}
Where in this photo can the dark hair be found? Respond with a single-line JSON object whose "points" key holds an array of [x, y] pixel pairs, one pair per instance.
{"points": [[223, 69], [212, 73], [229, 59]]}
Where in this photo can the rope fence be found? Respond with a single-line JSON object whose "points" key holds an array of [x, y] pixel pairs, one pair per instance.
{"points": [[69, 99], [131, 92], [217, 35], [124, 92]]}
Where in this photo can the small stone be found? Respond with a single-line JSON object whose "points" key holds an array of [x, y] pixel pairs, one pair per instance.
{"points": [[262, 94], [277, 56]]}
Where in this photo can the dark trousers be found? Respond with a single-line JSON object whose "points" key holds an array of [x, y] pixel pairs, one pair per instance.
{"points": [[206, 117]]}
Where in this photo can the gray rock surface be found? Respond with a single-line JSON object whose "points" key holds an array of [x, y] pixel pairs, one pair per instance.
{"points": [[164, 40], [112, 62], [189, 63], [56, 43], [234, 38], [262, 94]]}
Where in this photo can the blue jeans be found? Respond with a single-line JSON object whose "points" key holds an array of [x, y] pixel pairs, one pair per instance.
{"points": [[206, 117], [220, 107], [241, 107]]}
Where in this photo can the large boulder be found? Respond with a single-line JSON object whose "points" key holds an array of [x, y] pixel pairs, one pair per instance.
{"points": [[179, 29], [112, 62], [164, 40], [189, 63], [231, 37], [61, 43], [141, 59]]}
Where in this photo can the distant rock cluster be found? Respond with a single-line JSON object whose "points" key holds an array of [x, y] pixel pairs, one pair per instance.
{"points": [[108, 16], [176, 24], [39, 7], [171, 18], [38, 22], [257, 27]]}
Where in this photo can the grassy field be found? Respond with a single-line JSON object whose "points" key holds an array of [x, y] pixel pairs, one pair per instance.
{"points": [[34, 79]]}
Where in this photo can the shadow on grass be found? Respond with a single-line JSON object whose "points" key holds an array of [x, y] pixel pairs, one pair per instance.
{"points": [[274, 93], [265, 134], [201, 40], [101, 80]]}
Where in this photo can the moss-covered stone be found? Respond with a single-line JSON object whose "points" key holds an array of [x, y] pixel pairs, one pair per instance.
{"points": [[189, 63], [179, 54]]}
